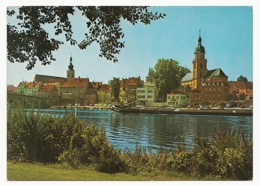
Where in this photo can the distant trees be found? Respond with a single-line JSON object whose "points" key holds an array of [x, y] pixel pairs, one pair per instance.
{"points": [[242, 78], [167, 75], [115, 86], [29, 41]]}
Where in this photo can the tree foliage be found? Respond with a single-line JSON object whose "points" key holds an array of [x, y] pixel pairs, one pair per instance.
{"points": [[167, 75], [28, 41], [242, 78], [115, 86]]}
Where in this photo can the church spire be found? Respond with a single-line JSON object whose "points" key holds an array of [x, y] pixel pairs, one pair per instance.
{"points": [[199, 40], [70, 65]]}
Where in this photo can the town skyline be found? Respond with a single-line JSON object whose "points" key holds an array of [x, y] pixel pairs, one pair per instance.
{"points": [[145, 44]]}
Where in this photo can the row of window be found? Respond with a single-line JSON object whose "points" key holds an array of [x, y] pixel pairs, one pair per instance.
{"points": [[143, 91], [214, 95], [143, 96], [213, 89], [177, 97], [72, 91]]}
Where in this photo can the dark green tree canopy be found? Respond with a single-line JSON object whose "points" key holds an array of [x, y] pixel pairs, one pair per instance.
{"points": [[241, 78], [28, 41], [115, 86], [167, 75]]}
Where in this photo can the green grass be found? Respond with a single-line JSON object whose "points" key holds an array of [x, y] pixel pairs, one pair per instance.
{"points": [[38, 172]]}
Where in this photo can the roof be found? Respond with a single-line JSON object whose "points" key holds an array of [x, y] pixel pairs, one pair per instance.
{"points": [[214, 82], [199, 47], [96, 84], [49, 79], [216, 73], [187, 77], [133, 81], [76, 83], [176, 92], [55, 83], [33, 84], [11, 88], [105, 88], [47, 88], [123, 83], [240, 86]]}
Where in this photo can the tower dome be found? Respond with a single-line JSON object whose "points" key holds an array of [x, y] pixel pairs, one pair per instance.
{"points": [[199, 47]]}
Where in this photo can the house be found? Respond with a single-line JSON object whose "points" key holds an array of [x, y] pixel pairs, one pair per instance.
{"points": [[176, 99], [104, 94], [29, 88], [74, 91], [48, 91], [132, 84], [11, 89]]}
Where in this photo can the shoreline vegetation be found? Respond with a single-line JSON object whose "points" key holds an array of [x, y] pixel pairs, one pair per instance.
{"points": [[43, 144]]}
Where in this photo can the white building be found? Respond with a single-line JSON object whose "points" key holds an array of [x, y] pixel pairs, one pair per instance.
{"points": [[177, 99], [146, 95]]}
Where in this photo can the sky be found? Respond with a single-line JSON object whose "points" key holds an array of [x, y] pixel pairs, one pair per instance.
{"points": [[226, 32]]}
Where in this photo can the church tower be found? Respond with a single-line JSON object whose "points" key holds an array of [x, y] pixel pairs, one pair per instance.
{"points": [[70, 71], [199, 64]]}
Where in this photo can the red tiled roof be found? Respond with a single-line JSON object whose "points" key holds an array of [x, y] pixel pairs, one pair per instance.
{"points": [[133, 81], [55, 83], [75, 83], [241, 86], [33, 84], [47, 88], [105, 88]]}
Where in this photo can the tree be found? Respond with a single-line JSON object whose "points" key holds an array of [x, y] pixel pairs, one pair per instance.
{"points": [[28, 41], [115, 86], [242, 78], [167, 75]]}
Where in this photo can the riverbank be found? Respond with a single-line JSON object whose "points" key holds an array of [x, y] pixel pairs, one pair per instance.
{"points": [[56, 172], [151, 110]]}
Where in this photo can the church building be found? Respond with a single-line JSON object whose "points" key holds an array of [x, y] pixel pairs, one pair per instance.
{"points": [[206, 86]]}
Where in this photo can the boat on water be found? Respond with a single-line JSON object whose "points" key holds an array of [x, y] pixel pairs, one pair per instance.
{"points": [[156, 110]]}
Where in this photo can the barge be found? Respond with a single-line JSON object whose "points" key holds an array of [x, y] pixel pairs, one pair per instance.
{"points": [[150, 110]]}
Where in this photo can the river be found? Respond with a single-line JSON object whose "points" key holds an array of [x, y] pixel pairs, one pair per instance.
{"points": [[155, 131]]}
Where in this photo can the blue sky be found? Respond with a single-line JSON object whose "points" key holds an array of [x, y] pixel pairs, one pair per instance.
{"points": [[226, 31]]}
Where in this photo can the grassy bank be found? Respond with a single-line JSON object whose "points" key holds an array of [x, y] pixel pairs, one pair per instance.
{"points": [[38, 172]]}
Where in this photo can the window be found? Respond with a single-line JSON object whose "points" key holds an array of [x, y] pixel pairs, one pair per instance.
{"points": [[140, 91], [177, 97], [149, 91], [201, 65], [149, 96]]}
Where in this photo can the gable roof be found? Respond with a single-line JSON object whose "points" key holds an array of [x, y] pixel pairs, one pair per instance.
{"points": [[33, 84], [76, 83], [133, 81], [47, 88], [105, 88], [187, 77], [216, 73]]}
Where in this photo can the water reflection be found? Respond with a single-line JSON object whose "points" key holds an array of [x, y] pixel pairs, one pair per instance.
{"points": [[154, 131]]}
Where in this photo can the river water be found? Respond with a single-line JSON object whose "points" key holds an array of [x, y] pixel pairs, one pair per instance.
{"points": [[155, 131]]}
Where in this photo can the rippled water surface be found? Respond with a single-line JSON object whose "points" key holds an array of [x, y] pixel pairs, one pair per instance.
{"points": [[159, 130]]}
